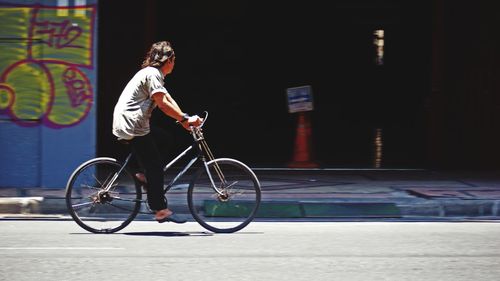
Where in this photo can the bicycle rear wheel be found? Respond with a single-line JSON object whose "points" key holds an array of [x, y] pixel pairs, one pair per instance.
{"points": [[95, 209], [234, 201]]}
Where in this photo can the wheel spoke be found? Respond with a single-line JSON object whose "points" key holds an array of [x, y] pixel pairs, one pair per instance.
{"points": [[237, 203], [97, 213], [81, 205]]}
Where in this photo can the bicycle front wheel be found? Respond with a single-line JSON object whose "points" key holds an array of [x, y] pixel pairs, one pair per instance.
{"points": [[99, 209], [224, 196]]}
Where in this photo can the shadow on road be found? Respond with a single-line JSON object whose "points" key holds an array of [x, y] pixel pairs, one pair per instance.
{"points": [[167, 233]]}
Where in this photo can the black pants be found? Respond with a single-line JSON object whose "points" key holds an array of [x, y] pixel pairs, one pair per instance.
{"points": [[164, 140], [146, 152]]}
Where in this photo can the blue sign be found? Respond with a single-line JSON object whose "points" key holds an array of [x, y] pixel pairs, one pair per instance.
{"points": [[299, 99]]}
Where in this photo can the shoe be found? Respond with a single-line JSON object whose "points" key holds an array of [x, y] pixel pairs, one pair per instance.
{"points": [[172, 218]]}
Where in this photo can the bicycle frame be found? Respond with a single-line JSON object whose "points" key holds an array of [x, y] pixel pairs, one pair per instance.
{"points": [[200, 145]]}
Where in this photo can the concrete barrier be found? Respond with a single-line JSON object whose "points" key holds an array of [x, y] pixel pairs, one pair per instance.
{"points": [[20, 205]]}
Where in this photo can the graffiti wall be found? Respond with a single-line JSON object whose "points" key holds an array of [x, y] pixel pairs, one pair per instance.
{"points": [[47, 90]]}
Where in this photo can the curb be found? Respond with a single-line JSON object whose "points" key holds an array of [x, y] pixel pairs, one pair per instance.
{"points": [[351, 210], [308, 209], [438, 208], [452, 208]]}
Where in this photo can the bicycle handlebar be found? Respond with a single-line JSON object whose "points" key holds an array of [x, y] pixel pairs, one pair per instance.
{"points": [[205, 117], [196, 131]]}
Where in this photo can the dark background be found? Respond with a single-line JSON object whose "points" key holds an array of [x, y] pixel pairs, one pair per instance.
{"points": [[435, 98]]}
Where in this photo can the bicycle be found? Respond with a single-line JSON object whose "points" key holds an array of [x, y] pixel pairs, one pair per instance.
{"points": [[223, 195]]}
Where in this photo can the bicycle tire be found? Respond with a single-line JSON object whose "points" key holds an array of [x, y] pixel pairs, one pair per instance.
{"points": [[224, 214], [97, 211]]}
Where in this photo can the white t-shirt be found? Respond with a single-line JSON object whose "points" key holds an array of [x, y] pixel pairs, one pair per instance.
{"points": [[135, 105]]}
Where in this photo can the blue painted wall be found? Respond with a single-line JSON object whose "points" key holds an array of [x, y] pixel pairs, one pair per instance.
{"points": [[48, 90]]}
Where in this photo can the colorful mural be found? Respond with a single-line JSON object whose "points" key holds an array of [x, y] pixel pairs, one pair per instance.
{"points": [[47, 90], [41, 61]]}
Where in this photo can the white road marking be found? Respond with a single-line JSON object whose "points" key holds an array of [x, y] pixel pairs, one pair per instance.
{"points": [[60, 248]]}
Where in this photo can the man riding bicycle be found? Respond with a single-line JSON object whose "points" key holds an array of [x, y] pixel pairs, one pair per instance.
{"points": [[131, 118]]}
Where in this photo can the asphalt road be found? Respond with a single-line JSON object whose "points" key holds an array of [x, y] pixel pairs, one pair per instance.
{"points": [[145, 250]]}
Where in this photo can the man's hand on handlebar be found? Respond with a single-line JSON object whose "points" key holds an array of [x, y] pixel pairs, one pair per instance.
{"points": [[192, 121]]}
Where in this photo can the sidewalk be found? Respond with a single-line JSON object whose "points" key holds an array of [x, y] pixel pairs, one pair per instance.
{"points": [[326, 194], [381, 194]]}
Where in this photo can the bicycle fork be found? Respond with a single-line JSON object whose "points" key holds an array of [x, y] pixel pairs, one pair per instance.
{"points": [[222, 193]]}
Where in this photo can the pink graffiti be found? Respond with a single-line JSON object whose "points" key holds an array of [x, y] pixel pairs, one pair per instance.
{"points": [[78, 87], [60, 34]]}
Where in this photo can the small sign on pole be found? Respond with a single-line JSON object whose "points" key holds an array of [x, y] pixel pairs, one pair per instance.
{"points": [[299, 99]]}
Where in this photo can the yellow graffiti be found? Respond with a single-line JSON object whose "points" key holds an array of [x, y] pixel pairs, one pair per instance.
{"points": [[44, 62], [31, 95]]}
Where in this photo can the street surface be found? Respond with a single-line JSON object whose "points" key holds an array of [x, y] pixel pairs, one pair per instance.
{"points": [[146, 250]]}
